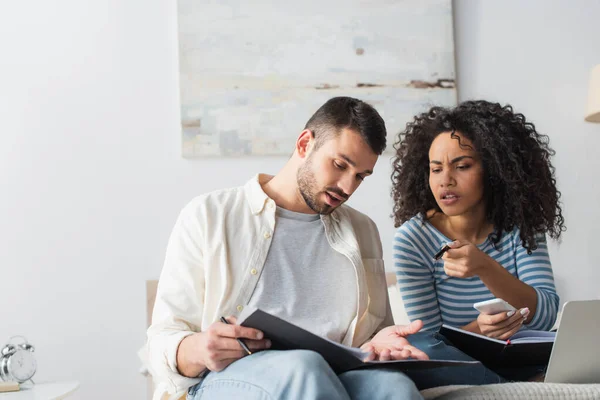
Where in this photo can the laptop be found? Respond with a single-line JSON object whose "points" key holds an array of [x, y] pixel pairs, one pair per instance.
{"points": [[575, 357]]}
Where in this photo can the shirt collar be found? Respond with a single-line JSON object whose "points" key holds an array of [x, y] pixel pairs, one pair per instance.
{"points": [[257, 198]]}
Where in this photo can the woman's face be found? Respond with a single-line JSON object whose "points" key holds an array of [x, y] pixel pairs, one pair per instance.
{"points": [[455, 174]]}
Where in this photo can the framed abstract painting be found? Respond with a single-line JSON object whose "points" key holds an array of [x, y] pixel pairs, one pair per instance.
{"points": [[252, 73]]}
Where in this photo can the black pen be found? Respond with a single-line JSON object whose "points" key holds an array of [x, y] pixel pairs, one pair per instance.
{"points": [[223, 320], [441, 252]]}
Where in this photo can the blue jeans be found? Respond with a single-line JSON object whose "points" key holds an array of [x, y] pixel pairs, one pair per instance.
{"points": [[437, 347], [305, 375], [299, 374]]}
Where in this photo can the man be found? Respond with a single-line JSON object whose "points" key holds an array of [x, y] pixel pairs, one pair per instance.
{"points": [[288, 245]]}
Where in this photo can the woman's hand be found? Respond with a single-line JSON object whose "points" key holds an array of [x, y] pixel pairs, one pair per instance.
{"points": [[502, 325], [465, 260]]}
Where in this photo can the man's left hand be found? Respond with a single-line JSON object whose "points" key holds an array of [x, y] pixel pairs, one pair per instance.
{"points": [[390, 344]]}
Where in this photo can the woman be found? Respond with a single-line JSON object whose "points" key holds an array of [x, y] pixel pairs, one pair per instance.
{"points": [[479, 177]]}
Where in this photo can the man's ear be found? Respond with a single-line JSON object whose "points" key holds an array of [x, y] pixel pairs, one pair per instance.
{"points": [[305, 143]]}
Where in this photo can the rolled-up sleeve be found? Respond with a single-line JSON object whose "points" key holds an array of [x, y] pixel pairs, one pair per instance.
{"points": [[535, 270]]}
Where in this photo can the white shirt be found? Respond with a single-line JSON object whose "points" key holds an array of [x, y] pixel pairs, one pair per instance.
{"points": [[215, 257]]}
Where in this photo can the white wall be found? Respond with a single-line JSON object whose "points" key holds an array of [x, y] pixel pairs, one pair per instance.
{"points": [[92, 179], [537, 56]]}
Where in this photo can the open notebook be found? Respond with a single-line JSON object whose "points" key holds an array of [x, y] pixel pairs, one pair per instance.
{"points": [[526, 347], [287, 336]]}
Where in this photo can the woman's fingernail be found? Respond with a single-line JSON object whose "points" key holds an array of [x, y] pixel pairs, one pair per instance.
{"points": [[525, 311], [510, 314], [268, 343]]}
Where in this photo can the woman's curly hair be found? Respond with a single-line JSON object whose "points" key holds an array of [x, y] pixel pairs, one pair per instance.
{"points": [[519, 183]]}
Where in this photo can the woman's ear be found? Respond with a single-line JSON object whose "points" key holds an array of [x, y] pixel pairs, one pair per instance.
{"points": [[305, 143]]}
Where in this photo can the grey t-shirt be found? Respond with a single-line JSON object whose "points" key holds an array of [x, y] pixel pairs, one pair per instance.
{"points": [[304, 280]]}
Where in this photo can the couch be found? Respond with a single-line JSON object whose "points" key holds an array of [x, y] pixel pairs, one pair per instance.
{"points": [[504, 391]]}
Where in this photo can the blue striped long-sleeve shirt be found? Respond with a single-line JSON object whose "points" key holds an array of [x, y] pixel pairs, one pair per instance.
{"points": [[435, 298]]}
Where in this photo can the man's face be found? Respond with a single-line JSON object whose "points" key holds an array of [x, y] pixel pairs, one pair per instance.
{"points": [[331, 173]]}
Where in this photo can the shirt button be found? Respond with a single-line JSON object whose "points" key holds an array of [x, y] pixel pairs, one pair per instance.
{"points": [[267, 235], [253, 271], [240, 308]]}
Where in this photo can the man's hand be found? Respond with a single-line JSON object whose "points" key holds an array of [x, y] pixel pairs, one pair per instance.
{"points": [[217, 347], [390, 343], [502, 325], [464, 259]]}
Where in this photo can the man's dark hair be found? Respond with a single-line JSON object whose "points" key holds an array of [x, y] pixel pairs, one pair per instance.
{"points": [[349, 113]]}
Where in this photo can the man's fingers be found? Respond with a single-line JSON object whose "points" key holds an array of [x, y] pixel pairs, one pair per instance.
{"points": [[220, 365], [410, 329], [400, 354], [368, 348], [228, 344], [257, 344], [235, 331], [417, 325], [230, 354], [253, 345], [232, 345], [385, 355], [396, 348], [227, 350], [416, 353]]}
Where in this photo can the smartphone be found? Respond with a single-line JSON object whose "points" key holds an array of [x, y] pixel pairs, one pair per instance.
{"points": [[493, 306]]}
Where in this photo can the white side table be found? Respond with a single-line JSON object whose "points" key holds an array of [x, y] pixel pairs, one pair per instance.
{"points": [[43, 391]]}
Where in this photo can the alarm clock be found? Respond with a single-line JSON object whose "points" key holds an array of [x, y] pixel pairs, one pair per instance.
{"points": [[17, 362]]}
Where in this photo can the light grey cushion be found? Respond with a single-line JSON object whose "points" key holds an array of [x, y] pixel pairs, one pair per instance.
{"points": [[516, 390]]}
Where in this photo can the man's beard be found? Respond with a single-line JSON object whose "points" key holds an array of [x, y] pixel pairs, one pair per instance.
{"points": [[307, 186]]}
